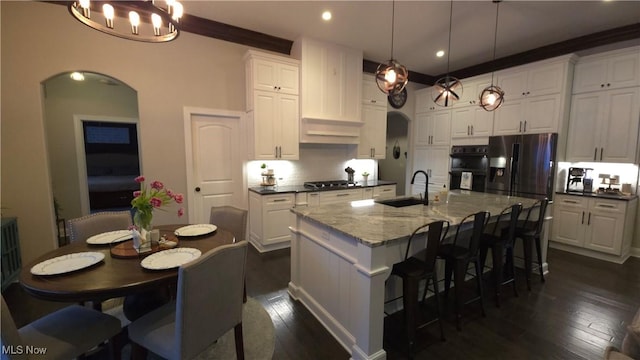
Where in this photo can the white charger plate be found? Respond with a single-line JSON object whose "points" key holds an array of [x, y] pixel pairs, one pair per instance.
{"points": [[169, 259], [111, 237], [67, 263], [195, 230]]}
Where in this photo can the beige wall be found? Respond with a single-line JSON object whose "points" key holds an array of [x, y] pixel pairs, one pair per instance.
{"points": [[64, 98], [191, 71]]}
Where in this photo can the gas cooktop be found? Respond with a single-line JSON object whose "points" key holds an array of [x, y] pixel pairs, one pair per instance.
{"points": [[328, 184]]}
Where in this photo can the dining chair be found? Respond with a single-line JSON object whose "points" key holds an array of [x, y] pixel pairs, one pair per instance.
{"points": [[64, 334], [416, 267], [208, 304], [84, 227], [457, 255], [530, 232], [233, 220], [499, 240]]}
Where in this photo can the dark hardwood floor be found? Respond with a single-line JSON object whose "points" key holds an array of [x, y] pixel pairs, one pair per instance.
{"points": [[581, 308]]}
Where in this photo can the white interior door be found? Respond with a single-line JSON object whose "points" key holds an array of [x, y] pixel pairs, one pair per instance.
{"points": [[216, 156]]}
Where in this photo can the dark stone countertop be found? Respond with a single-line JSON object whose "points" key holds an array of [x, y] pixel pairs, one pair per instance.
{"points": [[603, 196], [268, 190]]}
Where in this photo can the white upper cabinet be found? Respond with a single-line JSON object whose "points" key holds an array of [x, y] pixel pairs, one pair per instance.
{"points": [[604, 126], [536, 97], [471, 121], [373, 133], [612, 70], [273, 105], [424, 103], [371, 94], [432, 129], [472, 87]]}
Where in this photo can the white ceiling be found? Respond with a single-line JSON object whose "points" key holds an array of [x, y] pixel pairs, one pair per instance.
{"points": [[422, 27]]}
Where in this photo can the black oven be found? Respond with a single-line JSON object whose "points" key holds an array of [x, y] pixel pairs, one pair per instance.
{"points": [[469, 162]]}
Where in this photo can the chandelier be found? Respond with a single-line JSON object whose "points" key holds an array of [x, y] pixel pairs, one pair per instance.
{"points": [[133, 20], [447, 89], [391, 77]]}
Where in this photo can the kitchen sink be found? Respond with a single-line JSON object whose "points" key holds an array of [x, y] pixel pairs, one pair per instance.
{"points": [[401, 202]]}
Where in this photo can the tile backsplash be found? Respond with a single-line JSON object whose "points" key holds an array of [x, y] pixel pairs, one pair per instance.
{"points": [[628, 173], [317, 162]]}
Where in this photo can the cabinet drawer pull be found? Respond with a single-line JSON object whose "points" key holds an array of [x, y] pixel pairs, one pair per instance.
{"points": [[386, 190], [607, 206], [280, 200], [342, 195], [595, 154], [313, 194], [525, 125], [520, 129], [601, 151], [570, 201]]}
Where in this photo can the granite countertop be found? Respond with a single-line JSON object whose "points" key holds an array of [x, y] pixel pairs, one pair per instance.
{"points": [[266, 190], [376, 224], [603, 196]]}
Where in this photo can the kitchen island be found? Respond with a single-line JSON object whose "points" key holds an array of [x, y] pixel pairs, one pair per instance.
{"points": [[341, 256]]}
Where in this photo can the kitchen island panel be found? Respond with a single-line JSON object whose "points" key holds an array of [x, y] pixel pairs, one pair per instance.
{"points": [[341, 257]]}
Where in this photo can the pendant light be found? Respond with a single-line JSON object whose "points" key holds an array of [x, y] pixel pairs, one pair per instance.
{"points": [[447, 89], [492, 96], [391, 77]]}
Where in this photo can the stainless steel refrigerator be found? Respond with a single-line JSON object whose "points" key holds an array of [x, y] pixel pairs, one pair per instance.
{"points": [[522, 165]]}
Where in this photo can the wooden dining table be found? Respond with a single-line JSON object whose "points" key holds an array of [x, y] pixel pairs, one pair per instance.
{"points": [[114, 276]]}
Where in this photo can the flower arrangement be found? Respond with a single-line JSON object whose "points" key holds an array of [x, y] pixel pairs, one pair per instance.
{"points": [[151, 198]]}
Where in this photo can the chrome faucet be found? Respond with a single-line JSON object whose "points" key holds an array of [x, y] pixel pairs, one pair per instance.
{"points": [[426, 185]]}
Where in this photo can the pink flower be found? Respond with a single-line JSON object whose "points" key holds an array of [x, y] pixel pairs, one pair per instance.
{"points": [[155, 202], [157, 185], [137, 193], [169, 193], [139, 179], [180, 212], [178, 198]]}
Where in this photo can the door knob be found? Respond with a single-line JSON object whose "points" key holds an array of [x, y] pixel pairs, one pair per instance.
{"points": [[197, 188]]}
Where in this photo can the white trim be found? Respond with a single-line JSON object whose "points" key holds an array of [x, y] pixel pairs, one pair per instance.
{"points": [[83, 186], [188, 112]]}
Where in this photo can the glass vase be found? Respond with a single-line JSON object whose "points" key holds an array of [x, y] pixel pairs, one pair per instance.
{"points": [[143, 221]]}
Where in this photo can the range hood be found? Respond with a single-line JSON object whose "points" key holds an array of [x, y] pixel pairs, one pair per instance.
{"points": [[329, 131]]}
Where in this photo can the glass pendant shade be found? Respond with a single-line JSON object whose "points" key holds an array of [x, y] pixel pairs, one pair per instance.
{"points": [[491, 98], [391, 77], [446, 91]]}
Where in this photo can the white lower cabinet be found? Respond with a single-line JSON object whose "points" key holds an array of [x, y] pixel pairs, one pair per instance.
{"points": [[270, 215], [269, 218], [339, 196], [598, 227]]}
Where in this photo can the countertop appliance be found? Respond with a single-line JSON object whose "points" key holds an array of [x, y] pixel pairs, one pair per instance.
{"points": [[579, 180], [522, 165], [468, 167]]}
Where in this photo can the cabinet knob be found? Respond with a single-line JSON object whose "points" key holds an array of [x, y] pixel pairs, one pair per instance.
{"points": [[523, 94], [528, 93], [197, 188], [601, 85], [608, 84]]}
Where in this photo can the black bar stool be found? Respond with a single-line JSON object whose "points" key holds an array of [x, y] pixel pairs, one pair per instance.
{"points": [[530, 231], [416, 267]]}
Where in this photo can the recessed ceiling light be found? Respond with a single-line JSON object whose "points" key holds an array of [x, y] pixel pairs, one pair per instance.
{"points": [[326, 16], [77, 76], [440, 53]]}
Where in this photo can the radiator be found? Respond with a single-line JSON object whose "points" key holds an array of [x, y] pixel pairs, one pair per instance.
{"points": [[10, 249]]}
